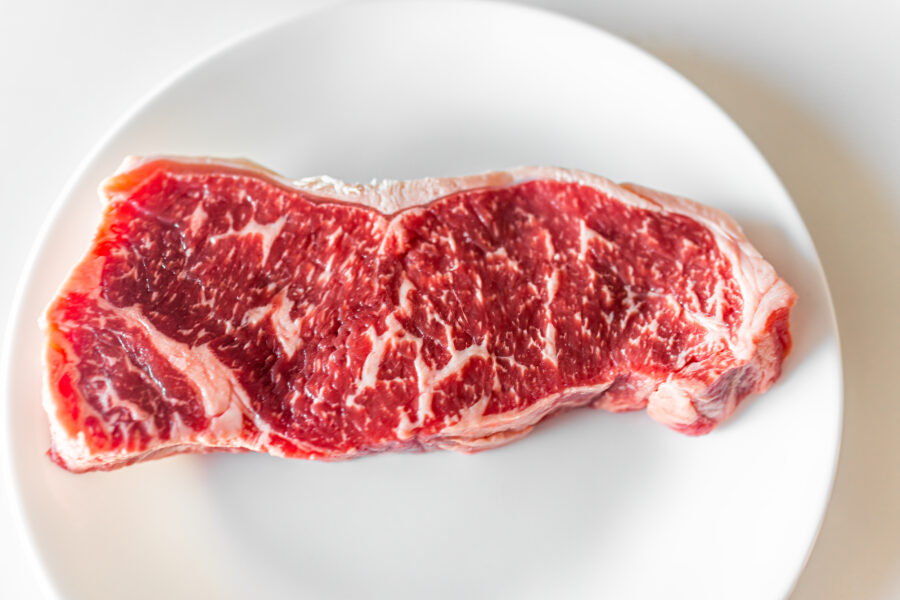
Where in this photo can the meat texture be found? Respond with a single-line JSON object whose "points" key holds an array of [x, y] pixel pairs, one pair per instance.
{"points": [[223, 307]]}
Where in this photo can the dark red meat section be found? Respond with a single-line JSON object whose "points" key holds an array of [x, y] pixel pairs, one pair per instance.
{"points": [[345, 331]]}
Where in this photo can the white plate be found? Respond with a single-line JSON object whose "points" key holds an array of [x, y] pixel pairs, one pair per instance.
{"points": [[590, 505]]}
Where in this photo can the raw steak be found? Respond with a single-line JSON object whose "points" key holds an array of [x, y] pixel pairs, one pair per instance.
{"points": [[223, 307]]}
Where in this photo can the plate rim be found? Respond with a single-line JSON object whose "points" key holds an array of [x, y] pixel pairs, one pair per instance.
{"points": [[15, 323]]}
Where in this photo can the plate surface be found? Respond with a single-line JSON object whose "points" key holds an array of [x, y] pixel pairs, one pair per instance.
{"points": [[591, 504]]}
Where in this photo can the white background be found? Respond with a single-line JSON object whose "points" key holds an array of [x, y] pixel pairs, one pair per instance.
{"points": [[814, 83]]}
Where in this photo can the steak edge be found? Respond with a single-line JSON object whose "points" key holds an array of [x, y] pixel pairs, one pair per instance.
{"points": [[222, 307]]}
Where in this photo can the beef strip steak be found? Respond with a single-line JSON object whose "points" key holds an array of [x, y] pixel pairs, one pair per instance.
{"points": [[223, 307]]}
